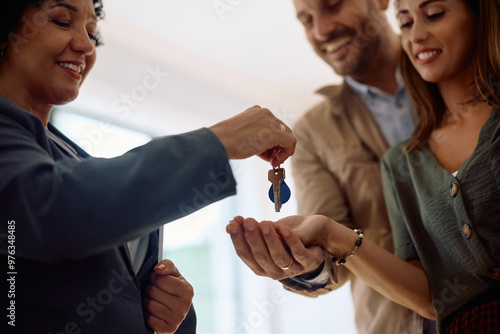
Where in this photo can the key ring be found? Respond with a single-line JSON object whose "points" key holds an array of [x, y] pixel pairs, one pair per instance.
{"points": [[275, 153]]}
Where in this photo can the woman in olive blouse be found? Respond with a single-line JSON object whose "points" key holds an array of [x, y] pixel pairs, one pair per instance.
{"points": [[442, 186]]}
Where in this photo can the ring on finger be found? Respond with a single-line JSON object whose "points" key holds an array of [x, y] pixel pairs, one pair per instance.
{"points": [[289, 265]]}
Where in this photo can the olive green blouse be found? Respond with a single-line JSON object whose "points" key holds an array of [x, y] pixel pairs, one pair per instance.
{"points": [[451, 224]]}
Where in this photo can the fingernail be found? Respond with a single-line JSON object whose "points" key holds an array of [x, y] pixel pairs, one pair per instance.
{"points": [[265, 229], [232, 229], [285, 233], [250, 227], [161, 266]]}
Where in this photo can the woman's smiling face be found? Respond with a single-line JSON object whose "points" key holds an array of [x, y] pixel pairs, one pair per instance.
{"points": [[53, 50], [439, 38]]}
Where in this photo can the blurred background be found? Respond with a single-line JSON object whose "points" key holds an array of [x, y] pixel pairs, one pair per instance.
{"points": [[169, 67]]}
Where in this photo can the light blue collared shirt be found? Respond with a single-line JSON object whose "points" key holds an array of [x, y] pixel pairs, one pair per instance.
{"points": [[392, 113]]}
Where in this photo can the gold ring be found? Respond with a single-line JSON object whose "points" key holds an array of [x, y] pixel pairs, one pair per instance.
{"points": [[282, 128], [288, 267]]}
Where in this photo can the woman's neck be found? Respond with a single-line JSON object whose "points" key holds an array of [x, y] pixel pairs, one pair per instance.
{"points": [[457, 134], [460, 98]]}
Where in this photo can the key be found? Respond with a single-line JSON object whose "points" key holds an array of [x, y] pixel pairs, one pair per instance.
{"points": [[276, 176], [285, 193]]}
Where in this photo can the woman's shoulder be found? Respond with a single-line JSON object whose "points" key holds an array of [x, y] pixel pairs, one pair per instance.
{"points": [[14, 121], [11, 112]]}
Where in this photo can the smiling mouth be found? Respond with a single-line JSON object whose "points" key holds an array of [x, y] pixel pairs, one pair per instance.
{"points": [[334, 46], [427, 55], [72, 67]]}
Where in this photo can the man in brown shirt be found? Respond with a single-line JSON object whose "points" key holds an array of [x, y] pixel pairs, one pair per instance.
{"points": [[336, 163]]}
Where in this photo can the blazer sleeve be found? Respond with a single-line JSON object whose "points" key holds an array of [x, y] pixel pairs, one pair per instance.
{"points": [[67, 209]]}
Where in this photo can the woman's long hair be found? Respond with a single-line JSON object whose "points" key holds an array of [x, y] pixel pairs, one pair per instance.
{"points": [[486, 63]]}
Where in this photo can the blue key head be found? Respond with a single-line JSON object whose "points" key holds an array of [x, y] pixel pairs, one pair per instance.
{"points": [[285, 193]]}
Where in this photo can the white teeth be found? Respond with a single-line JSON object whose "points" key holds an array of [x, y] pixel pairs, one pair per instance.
{"points": [[72, 67], [336, 45], [426, 55]]}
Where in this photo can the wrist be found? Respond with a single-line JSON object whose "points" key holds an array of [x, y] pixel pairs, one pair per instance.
{"points": [[339, 240], [357, 244]]}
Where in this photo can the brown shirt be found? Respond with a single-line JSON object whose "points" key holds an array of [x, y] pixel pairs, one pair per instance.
{"points": [[336, 169]]}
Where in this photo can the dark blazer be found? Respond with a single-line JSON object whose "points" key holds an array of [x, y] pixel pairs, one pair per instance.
{"points": [[71, 218]]}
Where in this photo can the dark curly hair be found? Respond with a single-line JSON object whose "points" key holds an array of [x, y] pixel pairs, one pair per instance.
{"points": [[12, 11]]}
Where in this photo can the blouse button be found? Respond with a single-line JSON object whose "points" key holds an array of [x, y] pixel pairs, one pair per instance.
{"points": [[467, 231], [495, 273], [454, 190]]}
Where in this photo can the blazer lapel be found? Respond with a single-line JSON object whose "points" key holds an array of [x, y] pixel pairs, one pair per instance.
{"points": [[363, 123], [151, 257]]}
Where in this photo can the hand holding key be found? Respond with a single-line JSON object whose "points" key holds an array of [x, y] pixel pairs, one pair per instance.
{"points": [[256, 131]]}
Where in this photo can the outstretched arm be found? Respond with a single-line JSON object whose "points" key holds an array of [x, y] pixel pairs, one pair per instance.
{"points": [[402, 282]]}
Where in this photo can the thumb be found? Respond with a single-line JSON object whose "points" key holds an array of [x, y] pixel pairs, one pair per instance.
{"points": [[305, 236], [167, 267]]}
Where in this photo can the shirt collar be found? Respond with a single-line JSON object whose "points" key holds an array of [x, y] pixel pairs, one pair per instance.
{"points": [[371, 92]]}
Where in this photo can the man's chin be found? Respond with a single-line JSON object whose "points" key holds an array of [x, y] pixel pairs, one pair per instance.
{"points": [[341, 69]]}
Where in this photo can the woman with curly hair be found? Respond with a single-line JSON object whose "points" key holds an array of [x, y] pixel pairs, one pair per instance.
{"points": [[82, 232]]}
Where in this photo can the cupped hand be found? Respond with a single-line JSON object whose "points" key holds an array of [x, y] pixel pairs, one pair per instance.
{"points": [[264, 251], [309, 230], [256, 131], [168, 299], [317, 230]]}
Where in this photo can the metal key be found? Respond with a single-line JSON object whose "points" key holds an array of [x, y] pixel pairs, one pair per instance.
{"points": [[276, 176]]}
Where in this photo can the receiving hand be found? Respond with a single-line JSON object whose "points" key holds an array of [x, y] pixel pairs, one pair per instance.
{"points": [[256, 131], [317, 230], [168, 299], [263, 250]]}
